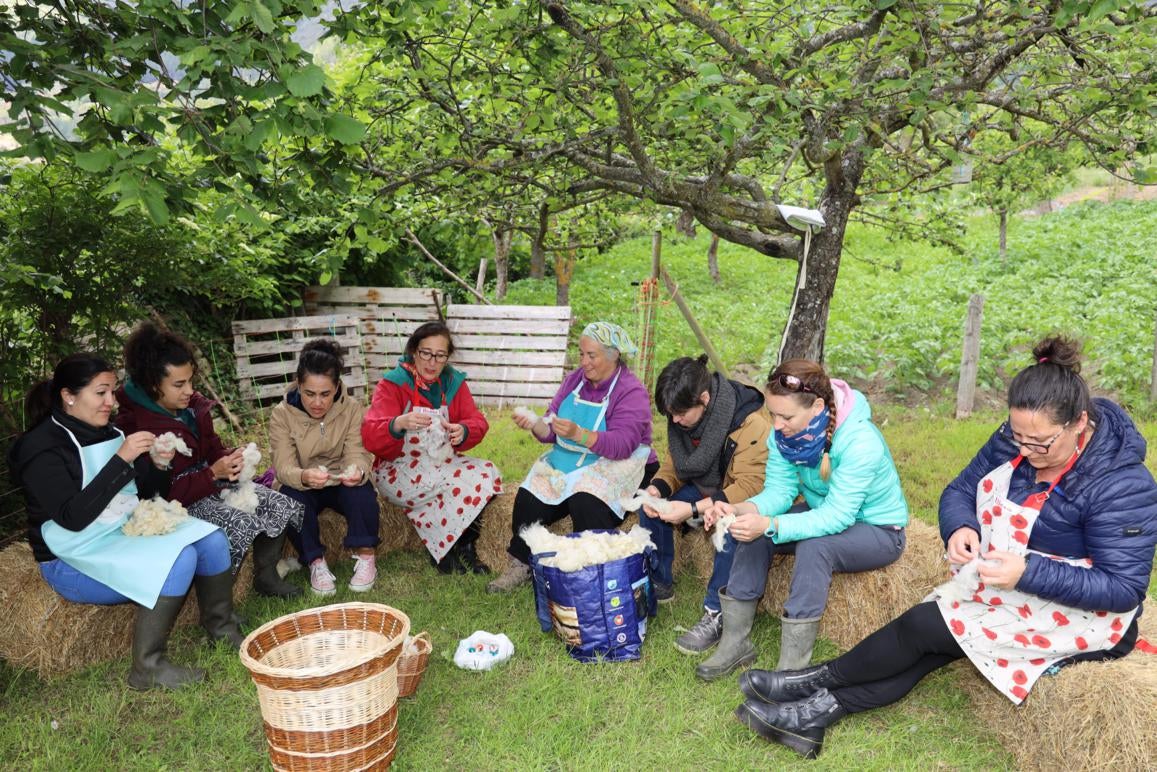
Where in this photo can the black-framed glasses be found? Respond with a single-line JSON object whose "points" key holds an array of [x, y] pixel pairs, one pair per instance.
{"points": [[427, 355], [792, 383], [1035, 447]]}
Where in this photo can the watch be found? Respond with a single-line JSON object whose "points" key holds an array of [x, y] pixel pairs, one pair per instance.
{"points": [[694, 509]]}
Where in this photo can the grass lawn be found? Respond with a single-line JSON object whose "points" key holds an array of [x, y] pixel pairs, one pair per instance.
{"points": [[540, 710]]}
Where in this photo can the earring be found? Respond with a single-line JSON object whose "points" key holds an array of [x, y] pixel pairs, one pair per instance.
{"points": [[71, 402]]}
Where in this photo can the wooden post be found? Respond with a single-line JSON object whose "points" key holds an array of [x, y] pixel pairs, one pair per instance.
{"points": [[410, 235], [969, 358], [673, 288], [1153, 374], [480, 282], [656, 252]]}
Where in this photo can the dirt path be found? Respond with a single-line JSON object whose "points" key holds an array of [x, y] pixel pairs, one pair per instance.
{"points": [[1116, 191]]}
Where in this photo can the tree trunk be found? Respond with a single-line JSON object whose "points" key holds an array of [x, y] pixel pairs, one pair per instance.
{"points": [[686, 224], [502, 241], [563, 269], [1003, 235], [713, 258], [537, 244]]}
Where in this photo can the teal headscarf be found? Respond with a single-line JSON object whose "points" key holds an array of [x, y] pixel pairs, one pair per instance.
{"points": [[611, 335]]}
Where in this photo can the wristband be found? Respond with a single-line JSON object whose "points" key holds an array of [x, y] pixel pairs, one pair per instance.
{"points": [[694, 509]]}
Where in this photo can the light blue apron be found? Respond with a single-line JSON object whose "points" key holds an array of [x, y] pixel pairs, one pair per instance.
{"points": [[134, 566], [567, 456]]}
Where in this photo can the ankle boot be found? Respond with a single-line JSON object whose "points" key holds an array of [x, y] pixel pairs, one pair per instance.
{"points": [[798, 725], [267, 551], [788, 685], [151, 668], [734, 649], [797, 638], [467, 548], [449, 564], [215, 599]]}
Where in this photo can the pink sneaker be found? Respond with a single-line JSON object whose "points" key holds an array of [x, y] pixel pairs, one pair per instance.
{"points": [[365, 573], [321, 579]]}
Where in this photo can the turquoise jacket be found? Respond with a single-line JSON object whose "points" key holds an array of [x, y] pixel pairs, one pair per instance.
{"points": [[864, 486]]}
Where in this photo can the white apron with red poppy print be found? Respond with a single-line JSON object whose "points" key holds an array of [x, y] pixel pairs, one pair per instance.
{"points": [[1013, 637], [441, 490]]}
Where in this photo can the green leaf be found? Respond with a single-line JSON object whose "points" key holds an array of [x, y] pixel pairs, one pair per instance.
{"points": [[308, 81], [343, 128], [1102, 8], [262, 17], [96, 161]]}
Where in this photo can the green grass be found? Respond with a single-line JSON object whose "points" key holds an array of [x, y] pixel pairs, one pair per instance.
{"points": [[540, 710]]}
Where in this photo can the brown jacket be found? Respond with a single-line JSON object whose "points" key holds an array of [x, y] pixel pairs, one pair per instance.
{"points": [[743, 477], [300, 442]]}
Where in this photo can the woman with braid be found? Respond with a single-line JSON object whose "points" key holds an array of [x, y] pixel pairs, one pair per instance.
{"points": [[826, 449]]}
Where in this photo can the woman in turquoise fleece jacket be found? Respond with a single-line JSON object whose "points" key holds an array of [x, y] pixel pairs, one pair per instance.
{"points": [[826, 449]]}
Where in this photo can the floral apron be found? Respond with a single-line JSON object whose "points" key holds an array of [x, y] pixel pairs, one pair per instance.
{"points": [[134, 566], [569, 468], [441, 490], [1010, 636]]}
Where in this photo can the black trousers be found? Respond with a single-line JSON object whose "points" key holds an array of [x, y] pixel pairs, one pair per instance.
{"points": [[889, 663], [586, 512]]}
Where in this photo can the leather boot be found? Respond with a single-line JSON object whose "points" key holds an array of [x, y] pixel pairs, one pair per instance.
{"points": [[798, 725], [467, 548], [797, 638], [735, 648], [215, 599], [267, 550], [151, 668], [788, 685]]}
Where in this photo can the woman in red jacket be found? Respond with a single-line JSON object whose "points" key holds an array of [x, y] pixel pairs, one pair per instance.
{"points": [[420, 422]]}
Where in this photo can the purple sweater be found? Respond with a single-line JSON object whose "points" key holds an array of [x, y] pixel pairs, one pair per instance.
{"points": [[628, 416]]}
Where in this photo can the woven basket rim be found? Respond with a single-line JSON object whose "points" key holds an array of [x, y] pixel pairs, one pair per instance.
{"points": [[256, 666]]}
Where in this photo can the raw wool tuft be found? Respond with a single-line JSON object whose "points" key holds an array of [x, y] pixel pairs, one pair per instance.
{"points": [[963, 584], [287, 566], [155, 516], [166, 442], [721, 527], [590, 548], [641, 497], [525, 412], [351, 472], [244, 495]]}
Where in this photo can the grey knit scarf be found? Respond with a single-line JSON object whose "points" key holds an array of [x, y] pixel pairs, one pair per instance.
{"points": [[700, 464]]}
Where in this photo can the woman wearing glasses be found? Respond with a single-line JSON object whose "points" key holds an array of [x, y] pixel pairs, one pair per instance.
{"points": [[420, 422], [826, 449], [1052, 527]]}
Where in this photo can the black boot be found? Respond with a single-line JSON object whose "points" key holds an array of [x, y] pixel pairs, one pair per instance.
{"points": [[151, 668], [267, 551], [787, 685], [467, 548], [215, 598], [449, 564], [798, 725]]}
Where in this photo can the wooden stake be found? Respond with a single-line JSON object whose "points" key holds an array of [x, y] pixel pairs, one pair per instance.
{"points": [[1153, 374], [969, 358], [480, 282], [673, 288], [410, 235]]}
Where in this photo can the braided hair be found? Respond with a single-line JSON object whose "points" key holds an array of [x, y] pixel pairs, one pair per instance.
{"points": [[814, 384]]}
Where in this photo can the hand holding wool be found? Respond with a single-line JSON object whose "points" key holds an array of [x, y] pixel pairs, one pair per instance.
{"points": [[244, 496], [165, 447], [643, 498]]}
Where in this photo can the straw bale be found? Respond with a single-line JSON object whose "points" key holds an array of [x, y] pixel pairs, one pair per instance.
{"points": [[1090, 716], [55, 637]]}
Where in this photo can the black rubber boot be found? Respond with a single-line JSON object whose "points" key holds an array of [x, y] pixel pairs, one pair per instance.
{"points": [[267, 550], [215, 599], [798, 725], [151, 668], [787, 685], [467, 548]]}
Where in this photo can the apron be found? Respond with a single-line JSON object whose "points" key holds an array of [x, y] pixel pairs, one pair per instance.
{"points": [[1010, 636], [569, 468], [134, 566], [441, 490]]}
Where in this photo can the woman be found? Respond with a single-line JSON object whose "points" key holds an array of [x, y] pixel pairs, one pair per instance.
{"points": [[826, 449], [717, 433], [158, 397], [1055, 579], [81, 479], [315, 435], [420, 423], [600, 429]]}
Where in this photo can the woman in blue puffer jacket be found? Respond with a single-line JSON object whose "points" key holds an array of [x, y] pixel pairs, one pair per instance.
{"points": [[1051, 531]]}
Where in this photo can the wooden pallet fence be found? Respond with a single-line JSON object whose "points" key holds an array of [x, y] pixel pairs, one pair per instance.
{"points": [[267, 352]]}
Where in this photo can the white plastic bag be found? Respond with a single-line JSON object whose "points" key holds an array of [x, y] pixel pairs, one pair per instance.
{"points": [[483, 650]]}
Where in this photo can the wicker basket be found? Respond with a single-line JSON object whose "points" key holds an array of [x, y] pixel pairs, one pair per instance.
{"points": [[328, 687], [412, 664]]}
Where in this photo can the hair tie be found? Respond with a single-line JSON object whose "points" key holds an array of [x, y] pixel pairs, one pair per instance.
{"points": [[1042, 360]]}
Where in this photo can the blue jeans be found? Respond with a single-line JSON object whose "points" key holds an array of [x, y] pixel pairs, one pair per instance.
{"points": [[663, 534], [208, 556], [358, 504]]}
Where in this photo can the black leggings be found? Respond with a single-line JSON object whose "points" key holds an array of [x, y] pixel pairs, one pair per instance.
{"points": [[887, 664]]}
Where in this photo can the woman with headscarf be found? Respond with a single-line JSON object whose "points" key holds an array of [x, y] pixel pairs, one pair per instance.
{"points": [[599, 427]]}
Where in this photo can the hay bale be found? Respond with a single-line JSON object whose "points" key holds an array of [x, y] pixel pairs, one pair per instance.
{"points": [[55, 637], [1091, 716]]}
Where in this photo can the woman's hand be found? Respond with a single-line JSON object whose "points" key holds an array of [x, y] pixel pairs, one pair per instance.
{"points": [[648, 510], [749, 527], [413, 421], [677, 512], [457, 432], [568, 430], [963, 545], [712, 514], [314, 478], [228, 467], [525, 421], [135, 444], [356, 480], [1001, 569], [162, 459]]}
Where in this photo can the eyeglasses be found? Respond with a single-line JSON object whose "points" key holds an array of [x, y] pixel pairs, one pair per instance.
{"points": [[1035, 447], [426, 355], [791, 383]]}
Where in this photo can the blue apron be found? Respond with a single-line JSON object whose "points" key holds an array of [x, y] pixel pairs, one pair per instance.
{"points": [[567, 456], [134, 566]]}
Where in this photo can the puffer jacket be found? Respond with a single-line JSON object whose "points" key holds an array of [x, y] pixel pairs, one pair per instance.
{"points": [[1105, 509], [298, 441]]}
